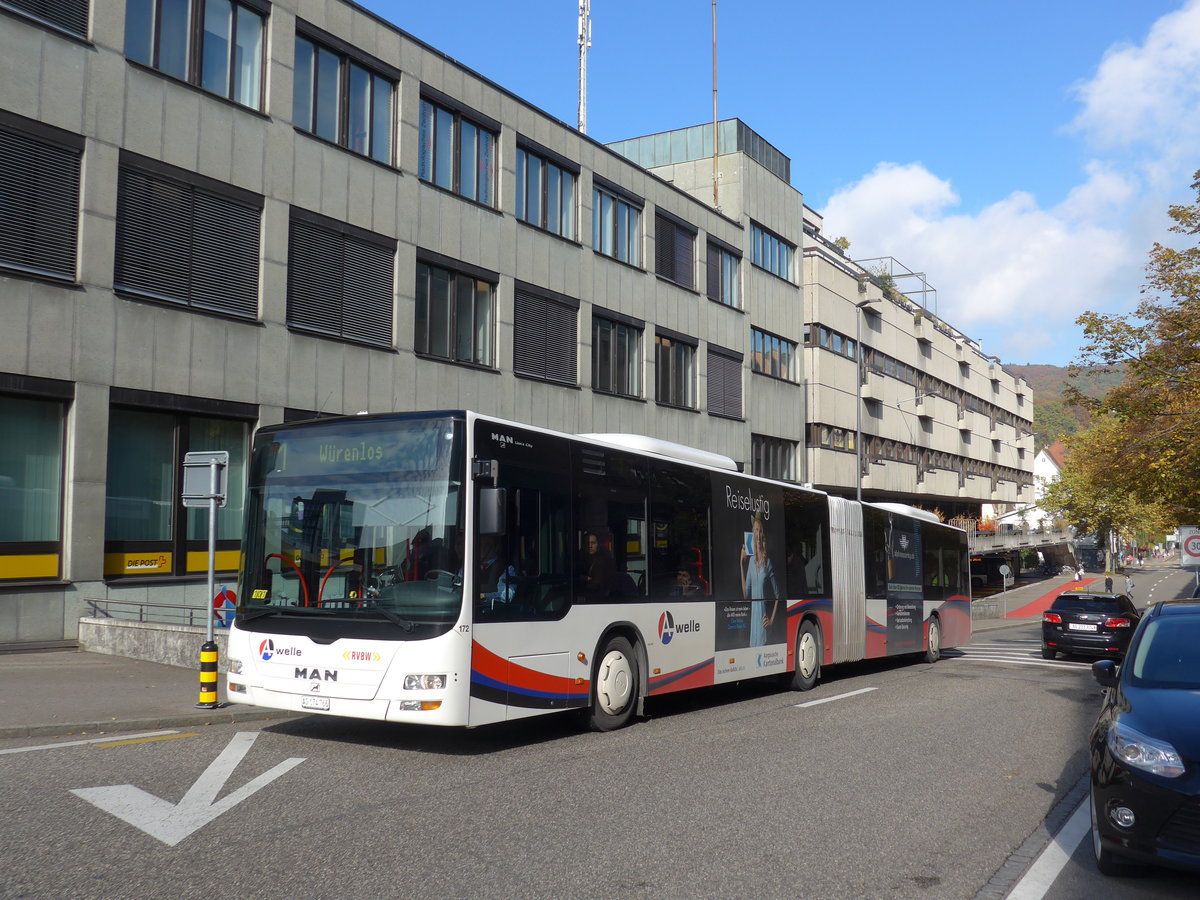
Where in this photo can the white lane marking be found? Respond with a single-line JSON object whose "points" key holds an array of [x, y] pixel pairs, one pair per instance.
{"points": [[835, 697], [172, 822], [1017, 662], [1040, 877], [103, 740]]}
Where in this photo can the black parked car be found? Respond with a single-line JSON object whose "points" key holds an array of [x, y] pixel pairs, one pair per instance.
{"points": [[1145, 746], [1088, 622]]}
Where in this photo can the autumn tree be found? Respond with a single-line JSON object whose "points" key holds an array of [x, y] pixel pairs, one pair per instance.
{"points": [[1152, 440]]}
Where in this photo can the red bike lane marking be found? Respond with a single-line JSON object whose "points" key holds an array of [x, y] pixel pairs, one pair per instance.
{"points": [[1042, 603]]}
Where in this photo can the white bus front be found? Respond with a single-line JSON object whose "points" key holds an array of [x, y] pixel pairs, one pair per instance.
{"points": [[351, 591]]}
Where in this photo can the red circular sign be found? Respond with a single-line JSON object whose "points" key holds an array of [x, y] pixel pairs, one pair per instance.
{"points": [[1191, 545]]}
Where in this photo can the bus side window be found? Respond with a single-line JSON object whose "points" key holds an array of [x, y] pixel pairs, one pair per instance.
{"points": [[679, 513], [610, 525]]}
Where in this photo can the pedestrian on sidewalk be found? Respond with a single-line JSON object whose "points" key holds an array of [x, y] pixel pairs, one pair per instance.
{"points": [[1107, 583]]}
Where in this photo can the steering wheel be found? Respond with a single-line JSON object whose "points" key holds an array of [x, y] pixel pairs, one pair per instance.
{"points": [[436, 575], [291, 562]]}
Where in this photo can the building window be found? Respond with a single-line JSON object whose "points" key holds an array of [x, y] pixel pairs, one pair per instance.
{"points": [[456, 153], [615, 224], [773, 457], [545, 335], [771, 252], [724, 383], [773, 355], [340, 280], [545, 194], [616, 357], [31, 477], [456, 315], [216, 44], [675, 367], [674, 253], [723, 275], [39, 200], [146, 531], [183, 238], [343, 101]]}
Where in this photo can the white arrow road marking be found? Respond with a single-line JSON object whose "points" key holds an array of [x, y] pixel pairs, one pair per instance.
{"points": [[172, 822]]}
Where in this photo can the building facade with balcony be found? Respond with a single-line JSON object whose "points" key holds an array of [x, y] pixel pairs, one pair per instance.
{"points": [[903, 397]]}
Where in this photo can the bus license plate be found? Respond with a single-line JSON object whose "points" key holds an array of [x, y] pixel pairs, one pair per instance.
{"points": [[315, 703], [1074, 626]]}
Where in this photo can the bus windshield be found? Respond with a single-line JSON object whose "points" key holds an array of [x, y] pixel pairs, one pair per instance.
{"points": [[355, 527]]}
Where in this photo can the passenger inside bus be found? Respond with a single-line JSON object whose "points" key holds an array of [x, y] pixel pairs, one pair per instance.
{"points": [[600, 572]]}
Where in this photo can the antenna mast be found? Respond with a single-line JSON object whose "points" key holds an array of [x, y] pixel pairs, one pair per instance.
{"points": [[585, 41], [716, 194]]}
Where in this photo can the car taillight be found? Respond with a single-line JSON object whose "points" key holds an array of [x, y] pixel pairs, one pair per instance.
{"points": [[1053, 618], [1117, 623]]}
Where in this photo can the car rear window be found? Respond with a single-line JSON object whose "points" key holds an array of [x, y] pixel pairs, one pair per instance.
{"points": [[1086, 604]]}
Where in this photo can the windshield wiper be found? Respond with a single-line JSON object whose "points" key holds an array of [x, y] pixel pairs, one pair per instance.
{"points": [[392, 617]]}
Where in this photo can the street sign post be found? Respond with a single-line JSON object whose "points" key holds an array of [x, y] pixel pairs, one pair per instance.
{"points": [[204, 483], [1189, 551]]}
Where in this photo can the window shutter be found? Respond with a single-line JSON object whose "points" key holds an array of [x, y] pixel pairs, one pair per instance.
{"points": [[685, 262], [714, 272], [154, 231], [69, 15], [314, 279], [664, 247], [182, 243], [39, 204], [545, 338], [724, 385], [225, 255], [368, 290]]}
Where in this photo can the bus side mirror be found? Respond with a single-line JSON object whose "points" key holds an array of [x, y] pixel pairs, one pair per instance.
{"points": [[492, 504]]}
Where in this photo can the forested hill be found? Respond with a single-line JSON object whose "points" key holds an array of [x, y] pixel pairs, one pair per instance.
{"points": [[1053, 419]]}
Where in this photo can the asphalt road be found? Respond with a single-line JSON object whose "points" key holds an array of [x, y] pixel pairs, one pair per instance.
{"points": [[908, 781]]}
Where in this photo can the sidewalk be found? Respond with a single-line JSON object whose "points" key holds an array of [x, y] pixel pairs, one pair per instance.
{"points": [[69, 692]]}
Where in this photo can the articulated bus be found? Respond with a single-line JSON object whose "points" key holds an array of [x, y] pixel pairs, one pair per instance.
{"points": [[448, 568]]}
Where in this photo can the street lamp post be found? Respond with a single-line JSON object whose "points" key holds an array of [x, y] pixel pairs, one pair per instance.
{"points": [[858, 380]]}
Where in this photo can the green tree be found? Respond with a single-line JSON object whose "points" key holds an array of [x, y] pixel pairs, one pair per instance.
{"points": [[1155, 410], [1051, 421]]}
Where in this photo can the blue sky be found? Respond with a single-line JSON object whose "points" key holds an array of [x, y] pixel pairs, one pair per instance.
{"points": [[1021, 154]]}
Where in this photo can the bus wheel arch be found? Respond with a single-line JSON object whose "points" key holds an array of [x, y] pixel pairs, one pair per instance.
{"points": [[618, 680], [809, 651], [933, 645]]}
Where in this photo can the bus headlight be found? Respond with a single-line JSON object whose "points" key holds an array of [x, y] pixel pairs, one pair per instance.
{"points": [[235, 666], [424, 682]]}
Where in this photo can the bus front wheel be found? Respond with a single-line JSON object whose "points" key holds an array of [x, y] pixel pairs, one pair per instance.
{"points": [[808, 657], [933, 651], [614, 687]]}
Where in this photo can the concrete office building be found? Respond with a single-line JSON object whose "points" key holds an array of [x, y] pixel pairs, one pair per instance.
{"points": [[257, 212]]}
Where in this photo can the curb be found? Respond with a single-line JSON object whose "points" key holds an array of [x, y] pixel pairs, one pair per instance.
{"points": [[199, 717]]}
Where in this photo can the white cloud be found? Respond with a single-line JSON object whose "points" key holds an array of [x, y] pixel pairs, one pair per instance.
{"points": [[1147, 95], [1015, 275]]}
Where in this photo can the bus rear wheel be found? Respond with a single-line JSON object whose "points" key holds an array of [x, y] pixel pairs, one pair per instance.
{"points": [[808, 657], [614, 686]]}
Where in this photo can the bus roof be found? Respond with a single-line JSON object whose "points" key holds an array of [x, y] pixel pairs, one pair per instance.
{"points": [[665, 448]]}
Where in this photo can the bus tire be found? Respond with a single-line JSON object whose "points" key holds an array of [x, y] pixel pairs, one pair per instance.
{"points": [[809, 650], [933, 649], [614, 686]]}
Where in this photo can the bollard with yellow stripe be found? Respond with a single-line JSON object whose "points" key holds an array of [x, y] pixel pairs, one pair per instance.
{"points": [[208, 676]]}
